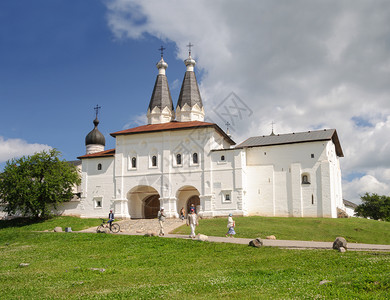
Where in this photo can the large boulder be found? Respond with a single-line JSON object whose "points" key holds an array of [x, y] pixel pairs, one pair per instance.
{"points": [[58, 229], [256, 243], [339, 242]]}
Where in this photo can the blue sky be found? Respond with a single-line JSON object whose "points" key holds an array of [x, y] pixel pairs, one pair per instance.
{"points": [[59, 59], [302, 65]]}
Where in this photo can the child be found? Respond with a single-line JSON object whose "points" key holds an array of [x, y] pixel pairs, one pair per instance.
{"points": [[231, 224]]}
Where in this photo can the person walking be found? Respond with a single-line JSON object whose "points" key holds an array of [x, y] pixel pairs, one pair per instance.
{"points": [[161, 220], [110, 218], [231, 224], [182, 214], [192, 221]]}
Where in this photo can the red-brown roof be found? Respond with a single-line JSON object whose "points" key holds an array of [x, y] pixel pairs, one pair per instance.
{"points": [[105, 153], [173, 126]]}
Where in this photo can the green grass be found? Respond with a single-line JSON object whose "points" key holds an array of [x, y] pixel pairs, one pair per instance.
{"points": [[355, 230], [137, 267]]}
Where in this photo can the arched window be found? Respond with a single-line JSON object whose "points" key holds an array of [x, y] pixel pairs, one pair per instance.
{"points": [[305, 179], [154, 161], [99, 166], [178, 159], [195, 158], [134, 162]]}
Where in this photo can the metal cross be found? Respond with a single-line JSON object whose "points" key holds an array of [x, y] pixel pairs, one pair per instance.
{"points": [[97, 109], [189, 47], [227, 126], [162, 50]]}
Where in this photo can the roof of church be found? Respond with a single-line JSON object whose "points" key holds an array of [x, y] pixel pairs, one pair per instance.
{"points": [[161, 96], [349, 204], [95, 136], [189, 92], [173, 126], [105, 153], [292, 138]]}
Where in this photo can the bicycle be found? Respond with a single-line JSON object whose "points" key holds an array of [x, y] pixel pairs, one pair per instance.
{"points": [[115, 228]]}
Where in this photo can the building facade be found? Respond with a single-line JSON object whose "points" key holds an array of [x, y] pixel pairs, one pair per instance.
{"points": [[178, 159]]}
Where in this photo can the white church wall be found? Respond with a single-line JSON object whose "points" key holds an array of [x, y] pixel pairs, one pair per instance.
{"points": [[285, 193]]}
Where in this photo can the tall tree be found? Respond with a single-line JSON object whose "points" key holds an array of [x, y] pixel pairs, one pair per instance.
{"points": [[33, 185], [374, 206]]}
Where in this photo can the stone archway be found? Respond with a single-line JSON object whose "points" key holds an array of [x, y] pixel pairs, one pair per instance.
{"points": [[144, 202], [186, 196]]}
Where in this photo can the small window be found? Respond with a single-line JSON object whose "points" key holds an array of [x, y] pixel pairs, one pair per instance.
{"points": [[99, 166], [134, 162], [312, 199], [312, 155], [195, 158], [178, 159], [305, 179], [222, 157], [98, 202], [154, 161], [226, 196]]}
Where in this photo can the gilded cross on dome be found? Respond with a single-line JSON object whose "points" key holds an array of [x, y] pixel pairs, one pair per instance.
{"points": [[189, 48], [162, 51]]}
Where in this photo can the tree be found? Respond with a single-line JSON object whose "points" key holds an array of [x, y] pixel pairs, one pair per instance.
{"points": [[374, 206], [33, 185]]}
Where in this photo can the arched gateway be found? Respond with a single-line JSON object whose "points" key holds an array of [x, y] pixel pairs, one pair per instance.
{"points": [[186, 196], [144, 202]]}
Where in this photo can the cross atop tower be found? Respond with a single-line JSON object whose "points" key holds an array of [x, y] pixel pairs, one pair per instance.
{"points": [[97, 109], [162, 51], [189, 48], [272, 126]]}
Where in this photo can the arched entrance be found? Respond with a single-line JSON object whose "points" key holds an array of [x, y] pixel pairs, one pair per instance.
{"points": [[186, 196], [144, 202]]}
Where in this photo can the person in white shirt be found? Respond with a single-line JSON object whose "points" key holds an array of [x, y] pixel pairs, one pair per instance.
{"points": [[231, 224], [161, 220], [192, 221]]}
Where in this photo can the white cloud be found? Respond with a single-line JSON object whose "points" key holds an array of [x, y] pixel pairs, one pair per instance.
{"points": [[367, 184], [301, 64], [12, 148], [137, 120]]}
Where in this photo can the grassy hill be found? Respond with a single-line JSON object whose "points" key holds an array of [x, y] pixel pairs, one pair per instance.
{"points": [[355, 230], [101, 266]]}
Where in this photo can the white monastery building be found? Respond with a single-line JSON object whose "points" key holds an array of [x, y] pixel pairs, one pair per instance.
{"points": [[178, 159]]}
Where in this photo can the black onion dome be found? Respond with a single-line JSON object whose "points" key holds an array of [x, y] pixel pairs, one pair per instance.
{"points": [[95, 137]]}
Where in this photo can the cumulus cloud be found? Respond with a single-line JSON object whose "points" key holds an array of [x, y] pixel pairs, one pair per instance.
{"points": [[303, 65], [11, 148]]}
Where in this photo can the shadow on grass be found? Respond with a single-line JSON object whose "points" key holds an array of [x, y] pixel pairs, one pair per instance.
{"points": [[20, 222]]}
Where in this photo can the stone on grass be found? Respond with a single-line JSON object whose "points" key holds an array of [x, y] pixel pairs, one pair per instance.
{"points": [[339, 242], [58, 229], [104, 230], [342, 249], [68, 229], [98, 269], [202, 237], [324, 281], [151, 233], [271, 237], [24, 265], [256, 243]]}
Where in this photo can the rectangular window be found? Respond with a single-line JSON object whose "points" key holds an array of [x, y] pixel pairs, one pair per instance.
{"points": [[98, 202], [226, 196]]}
